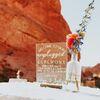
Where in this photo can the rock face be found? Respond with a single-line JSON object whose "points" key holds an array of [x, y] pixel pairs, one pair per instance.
{"points": [[91, 76], [23, 23], [90, 71]]}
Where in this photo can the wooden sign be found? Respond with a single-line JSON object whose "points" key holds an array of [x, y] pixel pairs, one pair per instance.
{"points": [[51, 62]]}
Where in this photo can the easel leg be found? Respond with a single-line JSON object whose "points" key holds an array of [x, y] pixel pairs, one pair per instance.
{"points": [[77, 85], [66, 82]]}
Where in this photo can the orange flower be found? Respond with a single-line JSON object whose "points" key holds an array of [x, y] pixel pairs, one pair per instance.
{"points": [[74, 36]]}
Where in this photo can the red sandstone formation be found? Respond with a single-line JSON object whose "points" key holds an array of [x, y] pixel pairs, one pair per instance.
{"points": [[91, 72], [23, 23], [91, 76]]}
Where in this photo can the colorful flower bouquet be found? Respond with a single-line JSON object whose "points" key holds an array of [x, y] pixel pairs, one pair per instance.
{"points": [[74, 41]]}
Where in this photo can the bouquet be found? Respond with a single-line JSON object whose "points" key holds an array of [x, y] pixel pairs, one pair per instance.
{"points": [[74, 41]]}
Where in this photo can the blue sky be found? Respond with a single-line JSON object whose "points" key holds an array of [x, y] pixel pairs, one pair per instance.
{"points": [[73, 11]]}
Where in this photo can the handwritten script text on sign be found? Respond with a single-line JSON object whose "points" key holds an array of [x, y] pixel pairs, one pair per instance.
{"points": [[51, 62]]}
